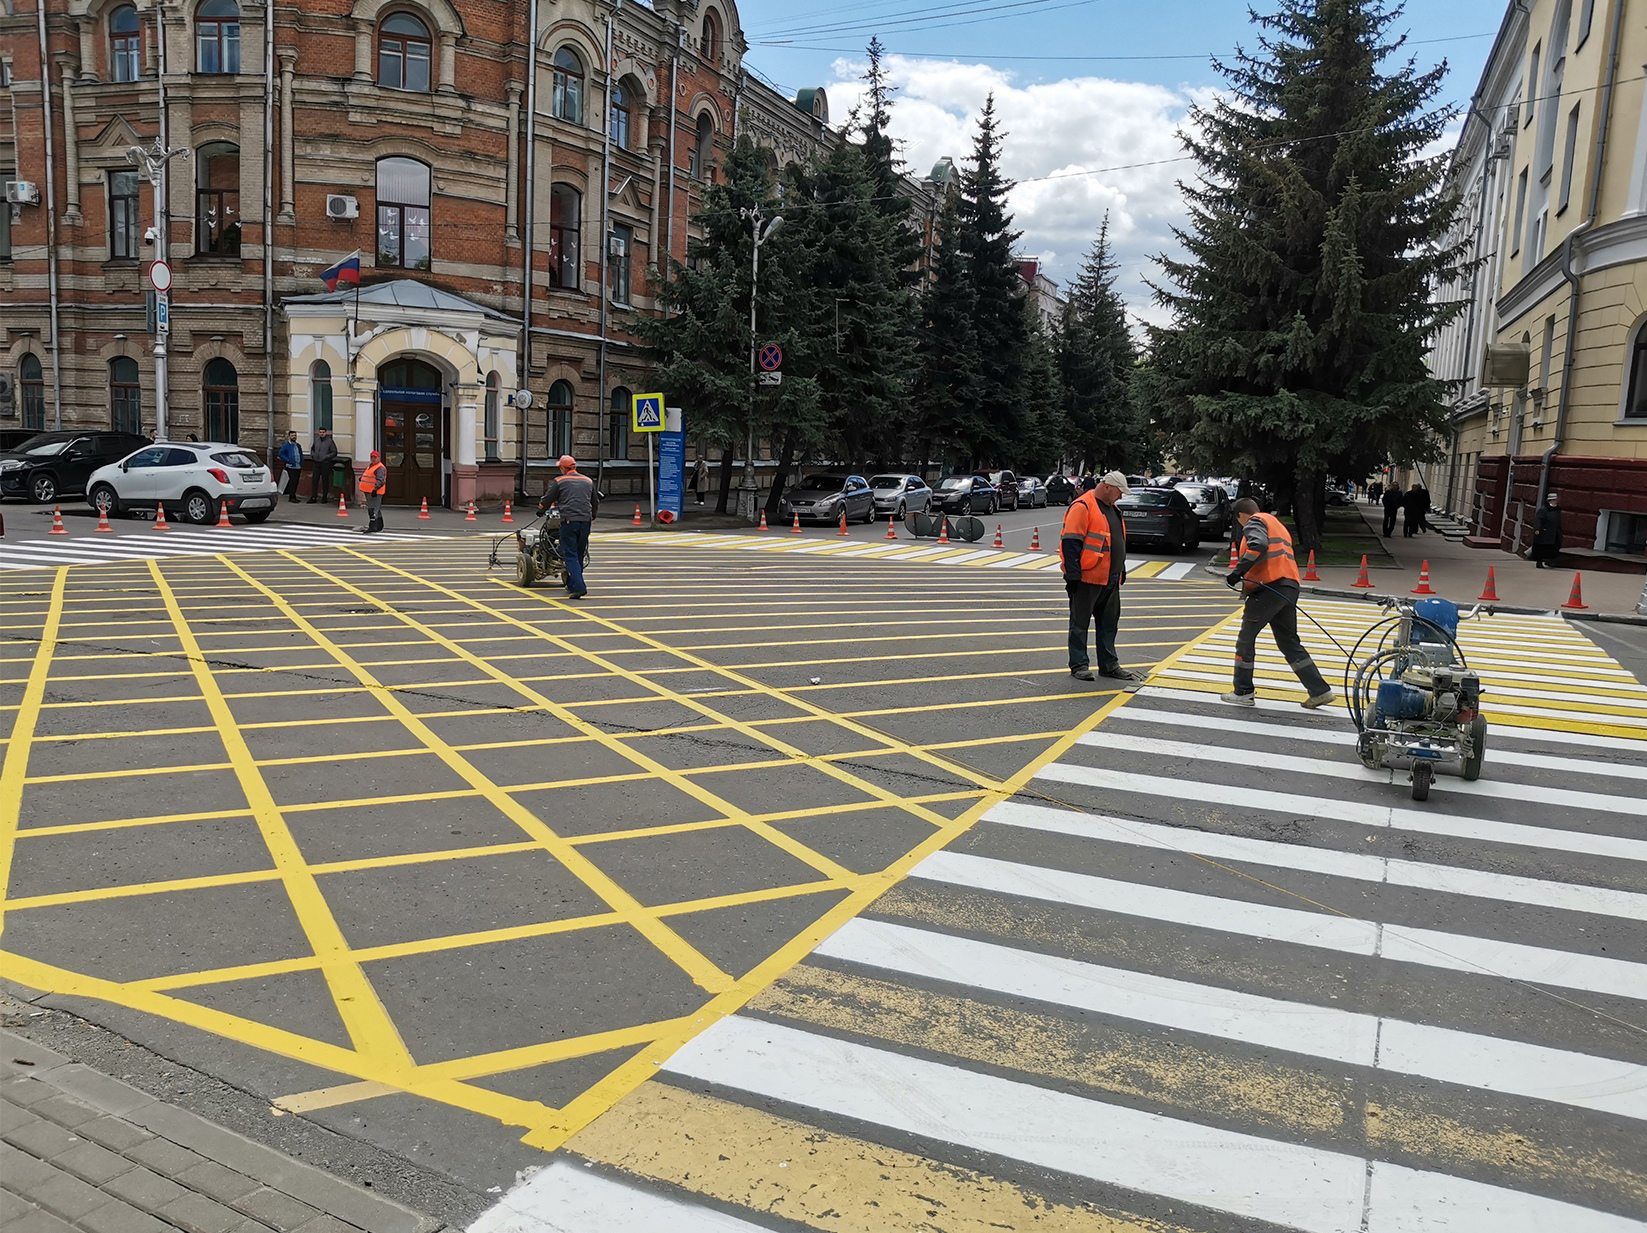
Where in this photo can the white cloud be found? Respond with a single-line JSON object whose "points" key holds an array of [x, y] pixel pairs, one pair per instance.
{"points": [[1060, 136]]}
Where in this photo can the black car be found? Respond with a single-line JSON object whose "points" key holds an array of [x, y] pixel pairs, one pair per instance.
{"points": [[1212, 505], [1159, 516], [1005, 484], [11, 438], [52, 465], [965, 494], [1061, 489]]}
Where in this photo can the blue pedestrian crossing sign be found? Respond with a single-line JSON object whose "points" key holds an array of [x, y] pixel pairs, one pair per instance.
{"points": [[648, 412]]}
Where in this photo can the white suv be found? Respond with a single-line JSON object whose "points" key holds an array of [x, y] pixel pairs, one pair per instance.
{"points": [[194, 479]]}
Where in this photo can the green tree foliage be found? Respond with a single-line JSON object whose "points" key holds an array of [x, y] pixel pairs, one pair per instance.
{"points": [[1041, 398], [1096, 357], [1317, 228], [948, 417]]}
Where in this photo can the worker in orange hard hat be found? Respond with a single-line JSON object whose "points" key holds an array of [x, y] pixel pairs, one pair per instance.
{"points": [[374, 482], [578, 501]]}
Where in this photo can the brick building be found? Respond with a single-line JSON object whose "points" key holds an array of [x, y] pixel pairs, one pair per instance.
{"points": [[466, 170]]}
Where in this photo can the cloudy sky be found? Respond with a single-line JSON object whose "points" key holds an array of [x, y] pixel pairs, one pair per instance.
{"points": [[1087, 90]]}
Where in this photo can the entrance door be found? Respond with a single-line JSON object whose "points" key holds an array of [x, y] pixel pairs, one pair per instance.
{"points": [[412, 427]]}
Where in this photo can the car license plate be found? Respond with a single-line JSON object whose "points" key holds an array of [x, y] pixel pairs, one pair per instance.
{"points": [[254, 503], [251, 477]]}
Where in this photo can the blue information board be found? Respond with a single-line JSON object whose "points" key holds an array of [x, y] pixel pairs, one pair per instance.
{"points": [[671, 464]]}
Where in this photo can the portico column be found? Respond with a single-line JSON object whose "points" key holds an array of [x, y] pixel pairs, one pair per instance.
{"points": [[288, 156], [71, 148], [465, 474], [365, 396]]}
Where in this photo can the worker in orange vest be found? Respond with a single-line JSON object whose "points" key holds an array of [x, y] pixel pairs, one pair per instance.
{"points": [[1094, 549], [1267, 572], [374, 482]]}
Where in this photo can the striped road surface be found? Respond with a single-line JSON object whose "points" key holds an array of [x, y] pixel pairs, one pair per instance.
{"points": [[1207, 974], [906, 549], [181, 541]]}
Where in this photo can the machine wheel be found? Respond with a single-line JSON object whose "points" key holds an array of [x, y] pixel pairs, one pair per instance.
{"points": [[526, 570], [1471, 769], [1423, 773]]}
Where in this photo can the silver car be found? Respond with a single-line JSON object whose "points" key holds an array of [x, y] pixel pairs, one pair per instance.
{"points": [[897, 495]]}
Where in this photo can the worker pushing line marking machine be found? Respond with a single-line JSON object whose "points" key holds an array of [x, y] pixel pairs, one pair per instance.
{"points": [[537, 551]]}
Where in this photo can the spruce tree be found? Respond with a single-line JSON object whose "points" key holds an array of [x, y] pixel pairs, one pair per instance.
{"points": [[1317, 228], [948, 421], [1096, 356]]}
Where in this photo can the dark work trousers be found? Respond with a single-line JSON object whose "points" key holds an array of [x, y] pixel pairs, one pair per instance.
{"points": [[290, 478], [1275, 604], [1086, 602], [321, 489], [574, 545], [1390, 511]]}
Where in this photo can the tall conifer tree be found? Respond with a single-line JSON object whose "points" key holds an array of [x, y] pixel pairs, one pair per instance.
{"points": [[1096, 357]]}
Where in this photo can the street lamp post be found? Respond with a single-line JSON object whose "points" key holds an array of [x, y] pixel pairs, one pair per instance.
{"points": [[748, 489], [155, 160]]}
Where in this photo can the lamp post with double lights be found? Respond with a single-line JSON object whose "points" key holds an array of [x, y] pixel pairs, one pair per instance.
{"points": [[154, 160]]}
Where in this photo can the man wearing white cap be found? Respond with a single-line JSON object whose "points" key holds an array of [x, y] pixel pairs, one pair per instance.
{"points": [[1094, 550]]}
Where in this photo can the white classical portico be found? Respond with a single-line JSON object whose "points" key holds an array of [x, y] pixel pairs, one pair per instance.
{"points": [[414, 372]]}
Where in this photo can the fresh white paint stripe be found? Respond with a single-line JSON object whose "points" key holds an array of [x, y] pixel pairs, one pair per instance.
{"points": [[1300, 1187], [48, 552], [1503, 667], [1340, 738], [1429, 947], [1449, 1056], [1173, 573], [1362, 813], [1362, 866], [1134, 562], [972, 556], [1272, 761], [567, 1198], [1024, 558]]}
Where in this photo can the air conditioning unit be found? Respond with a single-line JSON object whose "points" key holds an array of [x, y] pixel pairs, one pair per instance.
{"points": [[22, 192], [341, 205], [1506, 366], [615, 246]]}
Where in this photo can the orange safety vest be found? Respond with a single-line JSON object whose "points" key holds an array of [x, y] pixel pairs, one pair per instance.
{"points": [[1088, 523], [1276, 563], [374, 478]]}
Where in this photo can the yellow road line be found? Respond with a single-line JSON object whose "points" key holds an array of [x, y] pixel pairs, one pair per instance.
{"points": [[14, 770]]}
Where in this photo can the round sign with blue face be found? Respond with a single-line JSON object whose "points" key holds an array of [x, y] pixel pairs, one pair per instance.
{"points": [[771, 357]]}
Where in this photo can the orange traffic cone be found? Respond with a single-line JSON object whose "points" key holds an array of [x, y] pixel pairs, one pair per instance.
{"points": [[160, 523], [891, 528], [636, 520], [223, 516], [1364, 582], [470, 516], [57, 527], [1235, 555], [423, 514], [763, 525], [842, 531], [1575, 601], [943, 532], [103, 521], [1423, 587], [508, 512], [796, 529], [342, 509], [998, 543], [1489, 594], [1309, 570], [1035, 539]]}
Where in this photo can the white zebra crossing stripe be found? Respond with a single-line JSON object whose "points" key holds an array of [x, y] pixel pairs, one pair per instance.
{"points": [[565, 1198], [1300, 1187], [185, 542], [1326, 1032], [1350, 935]]}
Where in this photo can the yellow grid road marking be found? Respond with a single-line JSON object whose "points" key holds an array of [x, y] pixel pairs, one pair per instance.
{"points": [[14, 770]]}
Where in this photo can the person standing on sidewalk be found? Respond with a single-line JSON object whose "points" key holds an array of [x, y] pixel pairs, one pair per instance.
{"points": [[323, 454], [1094, 550], [1392, 507], [700, 477], [1268, 572], [291, 458], [374, 482], [1547, 534], [578, 500]]}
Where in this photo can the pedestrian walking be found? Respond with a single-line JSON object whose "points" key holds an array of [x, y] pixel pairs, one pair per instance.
{"points": [[700, 479], [1392, 507], [291, 458], [323, 454], [575, 494], [1415, 505], [1547, 534], [1267, 571], [374, 482], [1094, 549]]}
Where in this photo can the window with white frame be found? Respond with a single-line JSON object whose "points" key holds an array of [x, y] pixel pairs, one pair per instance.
{"points": [[125, 44], [566, 93], [492, 429], [217, 37], [404, 53], [403, 192], [320, 395]]}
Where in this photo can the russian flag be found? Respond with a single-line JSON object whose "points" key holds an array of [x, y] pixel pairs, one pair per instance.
{"points": [[345, 273]]}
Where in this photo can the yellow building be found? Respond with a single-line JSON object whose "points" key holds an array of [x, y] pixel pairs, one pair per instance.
{"points": [[1551, 351]]}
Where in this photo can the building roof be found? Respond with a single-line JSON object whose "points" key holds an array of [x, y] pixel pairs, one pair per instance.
{"points": [[402, 293]]}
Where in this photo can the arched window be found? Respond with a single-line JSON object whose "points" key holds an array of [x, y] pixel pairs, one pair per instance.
{"points": [[617, 439], [403, 53], [710, 44], [621, 119], [32, 378], [403, 213], [125, 44], [558, 409], [564, 259], [320, 395], [125, 396], [566, 97], [493, 427], [1635, 377], [222, 389], [217, 37], [703, 148], [217, 200]]}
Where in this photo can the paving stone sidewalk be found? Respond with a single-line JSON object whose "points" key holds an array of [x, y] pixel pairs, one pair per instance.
{"points": [[82, 1151]]}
